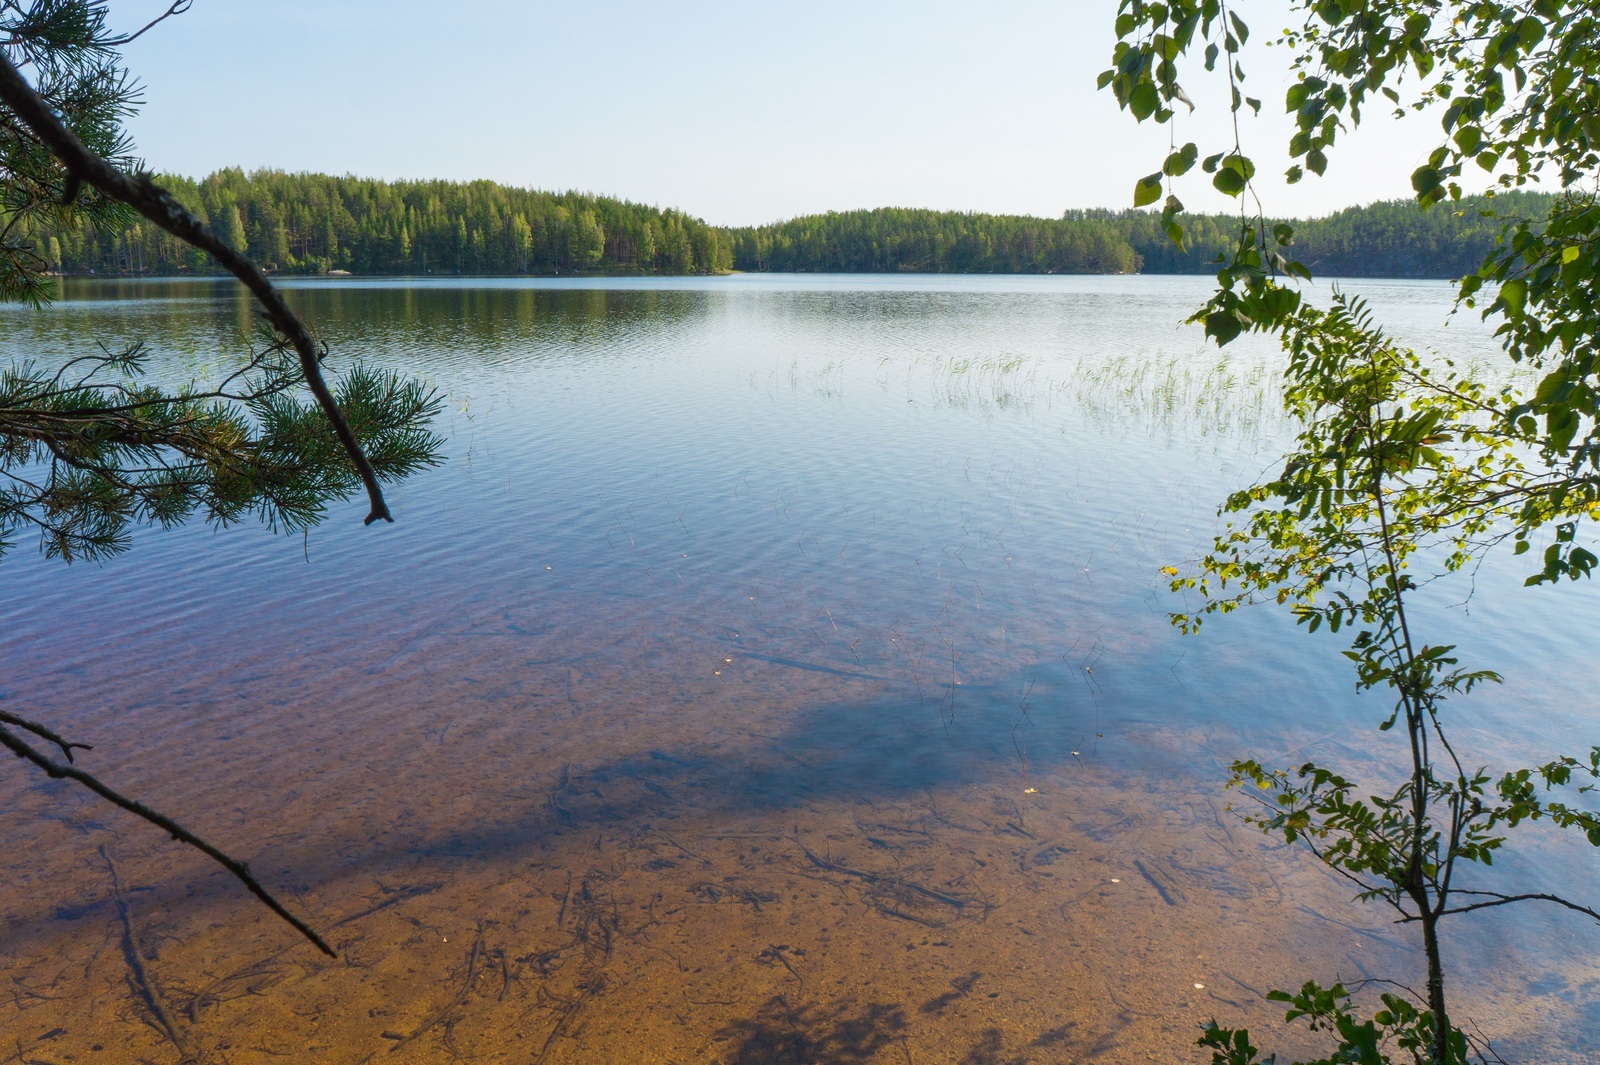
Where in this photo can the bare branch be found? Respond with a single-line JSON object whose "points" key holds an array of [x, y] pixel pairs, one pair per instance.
{"points": [[178, 7], [44, 733], [22, 749], [1497, 899]]}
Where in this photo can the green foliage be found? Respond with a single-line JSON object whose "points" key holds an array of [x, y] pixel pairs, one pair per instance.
{"points": [[1381, 240], [1398, 1025], [1403, 466], [88, 450], [74, 66], [1399, 464], [313, 223], [1520, 798], [309, 223], [1513, 86], [91, 447], [1392, 449], [896, 239], [1396, 238]]}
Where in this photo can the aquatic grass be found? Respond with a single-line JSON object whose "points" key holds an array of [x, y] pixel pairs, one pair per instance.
{"points": [[1173, 393], [828, 380], [1002, 382], [1157, 393]]}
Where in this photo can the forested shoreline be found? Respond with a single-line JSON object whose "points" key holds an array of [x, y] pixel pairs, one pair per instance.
{"points": [[317, 224], [1393, 239]]}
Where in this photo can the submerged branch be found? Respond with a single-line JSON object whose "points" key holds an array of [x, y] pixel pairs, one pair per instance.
{"points": [[1495, 898]]}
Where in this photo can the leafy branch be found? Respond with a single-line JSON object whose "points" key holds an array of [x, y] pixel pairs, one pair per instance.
{"points": [[1403, 466], [1396, 462]]}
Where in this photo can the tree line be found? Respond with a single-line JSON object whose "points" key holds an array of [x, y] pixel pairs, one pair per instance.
{"points": [[316, 223], [1393, 238], [1390, 239], [892, 239]]}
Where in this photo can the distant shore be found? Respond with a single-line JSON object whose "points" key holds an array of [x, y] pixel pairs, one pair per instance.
{"points": [[319, 225]]}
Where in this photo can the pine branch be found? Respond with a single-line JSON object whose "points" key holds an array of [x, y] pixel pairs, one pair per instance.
{"points": [[144, 196]]}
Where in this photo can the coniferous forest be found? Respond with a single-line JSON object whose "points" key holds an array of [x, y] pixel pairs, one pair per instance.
{"points": [[314, 224], [1393, 239]]}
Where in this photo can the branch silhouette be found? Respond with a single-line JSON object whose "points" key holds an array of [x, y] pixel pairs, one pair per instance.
{"points": [[139, 192], [52, 768], [156, 204]]}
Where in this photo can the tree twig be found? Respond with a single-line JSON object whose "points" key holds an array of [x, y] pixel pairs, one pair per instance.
{"points": [[178, 7], [43, 733], [22, 749], [1497, 899]]}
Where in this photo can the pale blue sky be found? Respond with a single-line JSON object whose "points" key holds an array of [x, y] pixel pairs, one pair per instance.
{"points": [[734, 111]]}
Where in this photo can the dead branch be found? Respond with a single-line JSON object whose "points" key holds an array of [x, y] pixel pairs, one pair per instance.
{"points": [[241, 872], [145, 989], [43, 733], [444, 1016], [177, 8], [569, 1010], [879, 878]]}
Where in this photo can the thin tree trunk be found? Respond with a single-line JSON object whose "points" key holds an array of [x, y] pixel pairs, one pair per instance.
{"points": [[1441, 1018]]}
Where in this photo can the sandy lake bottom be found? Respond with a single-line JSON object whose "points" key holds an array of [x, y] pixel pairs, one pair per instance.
{"points": [[732, 695]]}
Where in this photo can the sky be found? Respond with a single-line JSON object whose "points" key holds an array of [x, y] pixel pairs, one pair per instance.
{"points": [[736, 112]]}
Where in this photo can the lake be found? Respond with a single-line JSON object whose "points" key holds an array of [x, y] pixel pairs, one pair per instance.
{"points": [[778, 670]]}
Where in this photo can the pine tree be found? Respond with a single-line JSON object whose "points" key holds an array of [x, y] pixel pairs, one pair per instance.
{"points": [[232, 232], [104, 446]]}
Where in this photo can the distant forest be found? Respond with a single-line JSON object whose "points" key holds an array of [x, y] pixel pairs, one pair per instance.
{"points": [[1394, 239], [314, 224]]}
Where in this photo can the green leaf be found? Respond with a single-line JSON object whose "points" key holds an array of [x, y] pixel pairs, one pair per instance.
{"points": [[1144, 99], [1240, 30], [1228, 182], [1530, 33], [1242, 164], [1147, 191], [1222, 326], [1514, 297], [1426, 180], [1181, 161]]}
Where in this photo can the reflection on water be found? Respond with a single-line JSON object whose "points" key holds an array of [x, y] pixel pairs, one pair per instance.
{"points": [[777, 672]]}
